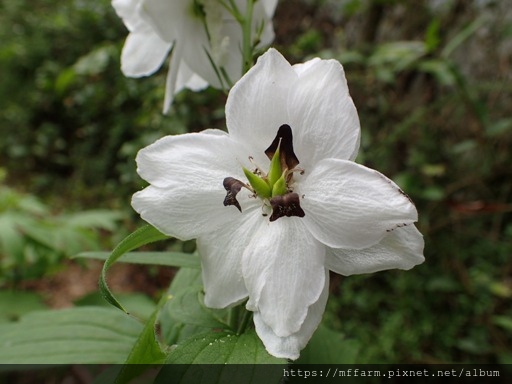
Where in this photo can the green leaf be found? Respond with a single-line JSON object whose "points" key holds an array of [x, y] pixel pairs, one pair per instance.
{"points": [[187, 307], [170, 259], [15, 304], [86, 335], [236, 357], [104, 219], [503, 321], [11, 240], [139, 305], [329, 347], [145, 351], [144, 235], [174, 331], [463, 35], [222, 347]]}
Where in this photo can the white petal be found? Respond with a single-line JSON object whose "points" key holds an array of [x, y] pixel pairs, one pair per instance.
{"points": [[188, 79], [201, 160], [270, 7], [143, 53], [284, 272], [172, 76], [312, 98], [323, 115], [167, 17], [351, 206], [221, 258], [186, 197], [289, 347], [263, 13], [128, 10], [401, 248], [256, 105]]}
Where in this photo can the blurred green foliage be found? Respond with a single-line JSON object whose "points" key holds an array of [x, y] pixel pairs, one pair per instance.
{"points": [[432, 87], [75, 117], [34, 241]]}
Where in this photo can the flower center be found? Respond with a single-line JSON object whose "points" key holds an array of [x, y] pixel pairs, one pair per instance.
{"points": [[275, 188]]}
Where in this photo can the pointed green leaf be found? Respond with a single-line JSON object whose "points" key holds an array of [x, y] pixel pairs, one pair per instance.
{"points": [[170, 259], [139, 305], [145, 351], [144, 235]]}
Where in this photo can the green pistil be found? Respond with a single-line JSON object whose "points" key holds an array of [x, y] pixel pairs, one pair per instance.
{"points": [[280, 188], [274, 184], [260, 186], [275, 171]]}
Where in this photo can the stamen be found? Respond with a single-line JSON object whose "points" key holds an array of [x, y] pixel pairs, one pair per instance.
{"points": [[233, 186], [258, 170], [287, 205], [283, 141]]}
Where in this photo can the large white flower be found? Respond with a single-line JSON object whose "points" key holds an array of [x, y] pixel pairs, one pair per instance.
{"points": [[198, 32], [273, 236]]}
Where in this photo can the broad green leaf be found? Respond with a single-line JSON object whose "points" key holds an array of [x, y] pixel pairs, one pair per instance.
{"points": [[222, 347], [171, 259], [86, 335], [329, 347], [145, 351], [104, 219], [174, 331], [144, 235], [184, 278], [15, 304], [187, 307], [11, 240], [138, 304], [231, 358]]}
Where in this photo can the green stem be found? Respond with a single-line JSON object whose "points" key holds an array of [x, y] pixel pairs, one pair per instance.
{"points": [[233, 316], [247, 37], [246, 317]]}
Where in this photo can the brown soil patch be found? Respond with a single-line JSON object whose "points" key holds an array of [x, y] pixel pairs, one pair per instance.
{"points": [[76, 280]]}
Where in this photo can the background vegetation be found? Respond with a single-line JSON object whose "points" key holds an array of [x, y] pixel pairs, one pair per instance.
{"points": [[432, 83]]}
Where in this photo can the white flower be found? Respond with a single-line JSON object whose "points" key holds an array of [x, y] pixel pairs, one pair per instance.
{"points": [[331, 214], [197, 31]]}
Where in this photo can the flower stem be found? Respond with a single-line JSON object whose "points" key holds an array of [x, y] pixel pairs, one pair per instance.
{"points": [[246, 317], [247, 37], [233, 316]]}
